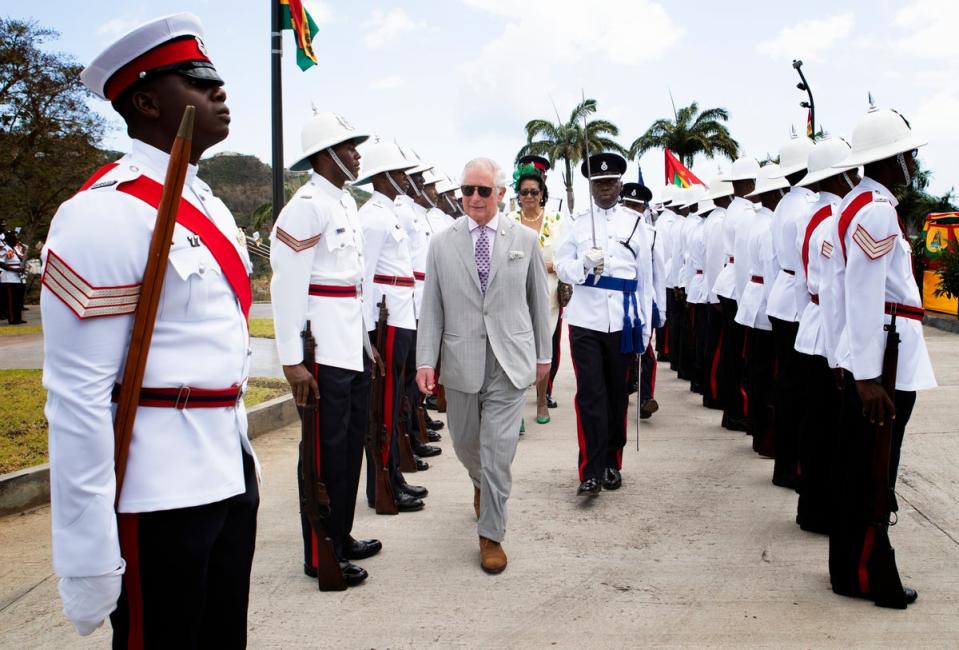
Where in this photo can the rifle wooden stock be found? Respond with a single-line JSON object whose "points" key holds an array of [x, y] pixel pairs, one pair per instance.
{"points": [[314, 500], [378, 438], [885, 585], [407, 460], [421, 424], [144, 317]]}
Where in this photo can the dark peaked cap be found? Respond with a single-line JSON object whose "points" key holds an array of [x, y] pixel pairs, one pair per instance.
{"points": [[604, 165], [636, 192]]}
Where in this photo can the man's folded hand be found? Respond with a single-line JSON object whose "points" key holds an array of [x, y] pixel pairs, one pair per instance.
{"points": [[88, 601]]}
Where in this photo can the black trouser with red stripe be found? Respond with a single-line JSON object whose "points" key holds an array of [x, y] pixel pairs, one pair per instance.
{"points": [[12, 296], [715, 331], [411, 391], [343, 415], [786, 400], [662, 335], [557, 351], [759, 389], [187, 579], [699, 330], [853, 562], [647, 380], [819, 429], [601, 399], [675, 333], [731, 364], [399, 342]]}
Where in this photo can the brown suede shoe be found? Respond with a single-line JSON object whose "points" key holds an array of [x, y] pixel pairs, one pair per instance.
{"points": [[492, 556], [476, 501]]}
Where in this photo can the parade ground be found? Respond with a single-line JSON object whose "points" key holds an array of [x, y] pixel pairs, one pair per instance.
{"points": [[698, 549]]}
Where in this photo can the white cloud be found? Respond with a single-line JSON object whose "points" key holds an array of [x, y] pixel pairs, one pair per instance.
{"points": [[116, 27], [808, 40], [386, 83], [554, 36], [387, 27], [933, 25]]}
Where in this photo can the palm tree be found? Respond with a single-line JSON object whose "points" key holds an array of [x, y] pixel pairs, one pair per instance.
{"points": [[690, 133], [565, 140]]}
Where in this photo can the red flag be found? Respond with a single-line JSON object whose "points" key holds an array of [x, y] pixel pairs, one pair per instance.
{"points": [[677, 173], [809, 126]]}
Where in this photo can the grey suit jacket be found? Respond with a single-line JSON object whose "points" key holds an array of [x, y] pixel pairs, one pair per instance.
{"points": [[456, 319]]}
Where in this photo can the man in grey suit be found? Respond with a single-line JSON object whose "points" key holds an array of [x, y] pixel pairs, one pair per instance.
{"points": [[486, 312]]}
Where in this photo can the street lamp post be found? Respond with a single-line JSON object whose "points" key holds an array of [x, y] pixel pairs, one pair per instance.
{"points": [[811, 104]]}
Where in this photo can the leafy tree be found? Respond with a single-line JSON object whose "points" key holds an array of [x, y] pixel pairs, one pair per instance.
{"points": [[567, 141], [915, 203], [691, 132], [48, 134], [948, 275]]}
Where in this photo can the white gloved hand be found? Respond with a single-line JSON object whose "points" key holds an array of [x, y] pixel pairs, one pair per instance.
{"points": [[594, 260], [88, 601]]}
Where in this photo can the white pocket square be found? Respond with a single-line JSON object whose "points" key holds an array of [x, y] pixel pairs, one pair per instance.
{"points": [[515, 255]]}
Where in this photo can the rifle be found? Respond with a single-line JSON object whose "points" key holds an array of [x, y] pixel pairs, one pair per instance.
{"points": [[378, 437], [144, 317], [886, 588], [314, 500], [407, 460], [421, 425]]}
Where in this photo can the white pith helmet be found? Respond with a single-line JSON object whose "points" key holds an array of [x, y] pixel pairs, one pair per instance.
{"points": [[667, 195], [693, 195], [324, 130], [718, 188], [769, 179], [794, 155], [378, 157], [824, 161], [743, 169], [882, 133]]}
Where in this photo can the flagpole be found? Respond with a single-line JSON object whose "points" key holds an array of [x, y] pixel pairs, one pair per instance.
{"points": [[276, 60]]}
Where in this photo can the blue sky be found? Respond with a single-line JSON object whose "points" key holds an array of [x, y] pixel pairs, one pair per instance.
{"points": [[456, 79]]}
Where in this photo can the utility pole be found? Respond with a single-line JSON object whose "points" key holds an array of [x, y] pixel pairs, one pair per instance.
{"points": [[811, 104]]}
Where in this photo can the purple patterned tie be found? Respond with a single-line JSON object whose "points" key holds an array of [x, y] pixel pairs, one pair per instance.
{"points": [[482, 257]]}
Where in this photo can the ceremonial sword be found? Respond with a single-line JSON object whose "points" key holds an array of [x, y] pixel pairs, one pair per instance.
{"points": [[589, 183]]}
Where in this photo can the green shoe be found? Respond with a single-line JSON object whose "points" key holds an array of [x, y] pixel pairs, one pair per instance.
{"points": [[522, 426], [542, 419]]}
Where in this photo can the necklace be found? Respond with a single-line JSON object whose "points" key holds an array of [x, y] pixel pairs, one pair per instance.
{"points": [[534, 219]]}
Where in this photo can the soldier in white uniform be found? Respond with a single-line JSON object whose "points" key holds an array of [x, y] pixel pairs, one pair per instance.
{"points": [[820, 376], [609, 318], [693, 288], [751, 313], [12, 255], [674, 282], [720, 193], [664, 225], [697, 290], [636, 197], [878, 284], [389, 275], [787, 299], [316, 253], [172, 563], [730, 374]]}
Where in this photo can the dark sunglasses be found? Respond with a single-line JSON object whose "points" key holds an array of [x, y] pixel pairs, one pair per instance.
{"points": [[483, 190], [528, 192]]}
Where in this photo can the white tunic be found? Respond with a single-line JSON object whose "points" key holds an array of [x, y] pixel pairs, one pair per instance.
{"points": [[751, 309], [413, 218], [599, 309], [715, 257], [814, 337], [737, 214], [788, 297], [317, 240], [697, 291], [664, 226], [12, 258], [386, 252], [94, 259], [677, 258], [879, 270]]}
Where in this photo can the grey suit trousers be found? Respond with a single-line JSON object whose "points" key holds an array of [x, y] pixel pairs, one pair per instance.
{"points": [[484, 427]]}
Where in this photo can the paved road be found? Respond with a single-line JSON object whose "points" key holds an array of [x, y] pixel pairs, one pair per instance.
{"points": [[697, 549]]}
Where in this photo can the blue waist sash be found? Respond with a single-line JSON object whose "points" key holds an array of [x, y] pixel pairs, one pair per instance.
{"points": [[630, 341]]}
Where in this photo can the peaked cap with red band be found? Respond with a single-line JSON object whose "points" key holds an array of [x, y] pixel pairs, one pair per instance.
{"points": [[173, 43]]}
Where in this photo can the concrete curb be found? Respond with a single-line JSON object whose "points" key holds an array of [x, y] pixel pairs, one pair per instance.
{"points": [[30, 487], [948, 324]]}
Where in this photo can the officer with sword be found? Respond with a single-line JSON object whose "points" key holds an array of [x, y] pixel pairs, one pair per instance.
{"points": [[606, 256]]}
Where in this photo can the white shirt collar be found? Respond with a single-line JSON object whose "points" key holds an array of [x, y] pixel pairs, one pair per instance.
{"points": [[326, 186], [158, 160], [493, 223], [876, 186]]}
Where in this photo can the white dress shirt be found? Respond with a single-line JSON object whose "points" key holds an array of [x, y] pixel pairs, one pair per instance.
{"points": [[788, 297]]}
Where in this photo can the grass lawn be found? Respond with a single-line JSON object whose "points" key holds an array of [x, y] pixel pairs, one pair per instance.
{"points": [[262, 327], [16, 330], [23, 428]]}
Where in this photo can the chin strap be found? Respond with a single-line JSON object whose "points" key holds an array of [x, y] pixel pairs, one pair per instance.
{"points": [[339, 163], [845, 177], [396, 186], [901, 159]]}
